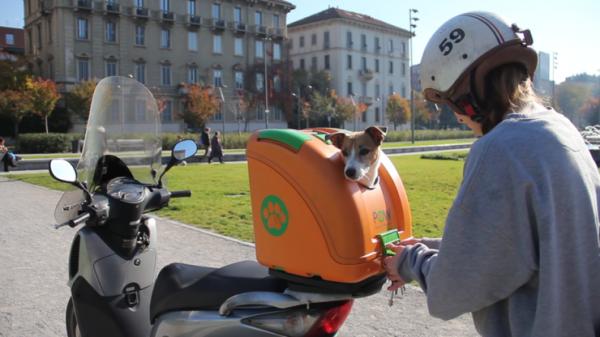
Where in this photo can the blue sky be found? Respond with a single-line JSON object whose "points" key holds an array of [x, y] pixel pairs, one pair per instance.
{"points": [[569, 28]]}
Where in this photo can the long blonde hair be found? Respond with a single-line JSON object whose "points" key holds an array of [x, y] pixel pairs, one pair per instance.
{"points": [[507, 88]]}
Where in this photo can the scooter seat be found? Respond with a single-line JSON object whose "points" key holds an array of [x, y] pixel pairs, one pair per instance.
{"points": [[181, 286]]}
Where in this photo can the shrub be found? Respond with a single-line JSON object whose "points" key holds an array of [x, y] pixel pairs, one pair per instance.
{"points": [[44, 143], [445, 156], [405, 135]]}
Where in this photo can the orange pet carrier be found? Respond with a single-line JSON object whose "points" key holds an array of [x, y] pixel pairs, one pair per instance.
{"points": [[311, 224]]}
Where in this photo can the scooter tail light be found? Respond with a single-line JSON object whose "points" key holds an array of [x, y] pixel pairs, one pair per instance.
{"points": [[300, 322], [331, 321]]}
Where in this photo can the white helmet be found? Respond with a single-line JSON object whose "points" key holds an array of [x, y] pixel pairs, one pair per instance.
{"points": [[468, 46]]}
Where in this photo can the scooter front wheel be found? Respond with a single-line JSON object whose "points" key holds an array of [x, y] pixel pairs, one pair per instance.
{"points": [[71, 319]]}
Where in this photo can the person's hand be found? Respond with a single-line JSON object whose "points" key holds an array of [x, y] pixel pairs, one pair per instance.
{"points": [[391, 264]]}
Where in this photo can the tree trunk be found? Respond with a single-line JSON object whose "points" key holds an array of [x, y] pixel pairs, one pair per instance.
{"points": [[46, 123]]}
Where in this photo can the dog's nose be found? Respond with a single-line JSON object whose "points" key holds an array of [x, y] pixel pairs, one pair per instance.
{"points": [[351, 173]]}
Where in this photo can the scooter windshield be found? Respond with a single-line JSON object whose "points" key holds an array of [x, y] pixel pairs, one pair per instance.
{"points": [[124, 122]]}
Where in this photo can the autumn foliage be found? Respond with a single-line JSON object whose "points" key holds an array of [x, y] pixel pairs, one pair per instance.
{"points": [[200, 103]]}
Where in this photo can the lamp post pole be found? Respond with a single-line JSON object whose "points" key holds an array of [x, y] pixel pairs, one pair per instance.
{"points": [[412, 27], [266, 86], [222, 98]]}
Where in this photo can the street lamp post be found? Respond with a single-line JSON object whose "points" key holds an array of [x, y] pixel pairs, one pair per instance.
{"points": [[266, 84], [354, 112], [222, 98], [412, 26]]}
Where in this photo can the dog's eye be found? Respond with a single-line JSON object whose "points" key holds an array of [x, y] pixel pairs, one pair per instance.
{"points": [[364, 152]]}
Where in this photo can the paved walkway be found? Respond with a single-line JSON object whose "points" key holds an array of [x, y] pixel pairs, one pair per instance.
{"points": [[33, 273]]}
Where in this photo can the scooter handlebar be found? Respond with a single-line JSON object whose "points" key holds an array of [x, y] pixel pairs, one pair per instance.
{"points": [[181, 194], [74, 222]]}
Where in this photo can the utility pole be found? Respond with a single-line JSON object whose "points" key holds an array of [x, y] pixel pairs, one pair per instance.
{"points": [[412, 26]]}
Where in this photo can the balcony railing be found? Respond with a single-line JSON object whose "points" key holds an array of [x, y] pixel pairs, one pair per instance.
{"points": [[259, 30], [237, 27], [193, 21], [276, 32], [83, 5], [168, 17], [366, 74], [112, 8], [140, 12]]}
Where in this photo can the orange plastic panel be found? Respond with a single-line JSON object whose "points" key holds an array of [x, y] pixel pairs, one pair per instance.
{"points": [[311, 221]]}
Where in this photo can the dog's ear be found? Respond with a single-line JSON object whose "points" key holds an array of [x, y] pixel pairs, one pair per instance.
{"points": [[337, 139], [376, 133]]}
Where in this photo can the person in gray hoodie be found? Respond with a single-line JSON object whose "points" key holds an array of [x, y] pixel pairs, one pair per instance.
{"points": [[521, 244]]}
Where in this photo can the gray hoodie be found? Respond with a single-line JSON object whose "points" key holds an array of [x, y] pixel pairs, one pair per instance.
{"points": [[521, 246]]}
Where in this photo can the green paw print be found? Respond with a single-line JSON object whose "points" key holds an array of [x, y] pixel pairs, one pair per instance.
{"points": [[274, 215]]}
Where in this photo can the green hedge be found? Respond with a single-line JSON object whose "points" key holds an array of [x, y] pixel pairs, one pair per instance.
{"points": [[230, 140], [45, 143], [405, 136]]}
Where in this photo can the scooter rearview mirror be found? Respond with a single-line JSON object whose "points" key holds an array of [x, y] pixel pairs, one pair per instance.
{"points": [[63, 171], [184, 149]]}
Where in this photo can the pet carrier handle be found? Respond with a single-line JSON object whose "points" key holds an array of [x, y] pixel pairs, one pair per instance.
{"points": [[386, 238]]}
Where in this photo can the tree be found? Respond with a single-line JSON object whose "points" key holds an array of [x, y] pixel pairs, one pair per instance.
{"points": [[591, 110], [321, 107], [14, 104], [397, 109], [79, 99], [43, 96], [344, 108], [200, 103], [426, 114]]}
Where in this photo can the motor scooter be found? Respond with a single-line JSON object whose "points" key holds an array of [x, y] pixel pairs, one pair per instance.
{"points": [[112, 262]]}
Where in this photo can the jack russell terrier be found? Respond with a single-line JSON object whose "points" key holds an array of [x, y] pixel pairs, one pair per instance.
{"points": [[361, 152]]}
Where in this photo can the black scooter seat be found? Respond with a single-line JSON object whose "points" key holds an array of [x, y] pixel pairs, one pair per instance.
{"points": [[182, 287]]}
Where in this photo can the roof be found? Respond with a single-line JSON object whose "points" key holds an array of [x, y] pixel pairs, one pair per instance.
{"points": [[336, 13]]}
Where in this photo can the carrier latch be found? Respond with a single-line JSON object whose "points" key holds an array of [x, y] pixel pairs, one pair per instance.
{"points": [[385, 238]]}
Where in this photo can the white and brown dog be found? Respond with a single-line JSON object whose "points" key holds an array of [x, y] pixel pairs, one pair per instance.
{"points": [[362, 153]]}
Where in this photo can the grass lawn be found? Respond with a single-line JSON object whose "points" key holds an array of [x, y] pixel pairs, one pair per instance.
{"points": [[221, 198]]}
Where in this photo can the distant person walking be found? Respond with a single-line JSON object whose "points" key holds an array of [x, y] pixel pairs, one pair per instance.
{"points": [[216, 149], [205, 141], [6, 157]]}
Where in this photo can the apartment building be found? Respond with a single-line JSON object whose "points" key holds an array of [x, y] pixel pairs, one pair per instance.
{"points": [[11, 43], [368, 59], [163, 44]]}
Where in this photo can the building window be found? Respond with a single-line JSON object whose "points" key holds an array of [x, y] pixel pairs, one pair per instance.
{"points": [[349, 62], [166, 115], [111, 68], [391, 46], [39, 35], [364, 116], [277, 83], [238, 46], [364, 63], [9, 39], [165, 74], [50, 30], [377, 93], [259, 49], [193, 41], [349, 42], [140, 72], [139, 3], [276, 114], [216, 10], [403, 69], [376, 65], [326, 61], [111, 31], [165, 6], [276, 21], [301, 41], [377, 45], [165, 38], [377, 118], [140, 110], [217, 44], [391, 67], [403, 91], [258, 18], [239, 80], [191, 7], [237, 15], [403, 48], [326, 40], [260, 82], [82, 29], [391, 90], [349, 91], [83, 69], [302, 65], [313, 63], [140, 35], [192, 75], [313, 39], [217, 78], [276, 51], [363, 42]]}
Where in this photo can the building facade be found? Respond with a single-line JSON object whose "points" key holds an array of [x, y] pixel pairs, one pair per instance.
{"points": [[542, 82], [163, 44], [12, 44], [368, 59]]}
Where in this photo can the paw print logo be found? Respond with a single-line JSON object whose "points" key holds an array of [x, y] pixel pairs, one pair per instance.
{"points": [[274, 215]]}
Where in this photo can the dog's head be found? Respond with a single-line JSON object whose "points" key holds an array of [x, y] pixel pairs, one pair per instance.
{"points": [[360, 150]]}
